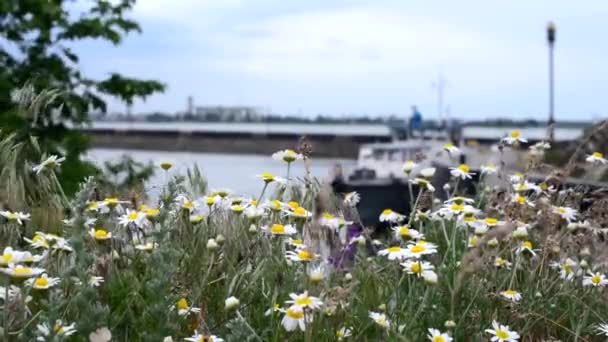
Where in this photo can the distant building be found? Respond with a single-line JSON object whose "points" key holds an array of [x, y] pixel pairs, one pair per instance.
{"points": [[228, 113]]}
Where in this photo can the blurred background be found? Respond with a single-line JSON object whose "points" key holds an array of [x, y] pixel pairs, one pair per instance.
{"points": [[224, 83]]}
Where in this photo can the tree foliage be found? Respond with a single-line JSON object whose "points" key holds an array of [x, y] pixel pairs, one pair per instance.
{"points": [[35, 49]]}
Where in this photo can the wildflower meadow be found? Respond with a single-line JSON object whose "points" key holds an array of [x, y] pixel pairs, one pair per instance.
{"points": [[515, 261]]}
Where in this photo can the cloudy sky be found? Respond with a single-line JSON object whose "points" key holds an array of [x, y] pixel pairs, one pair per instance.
{"points": [[366, 57]]}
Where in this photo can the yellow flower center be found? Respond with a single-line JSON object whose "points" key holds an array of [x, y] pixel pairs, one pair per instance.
{"points": [[101, 234], [328, 216], [502, 334], [305, 255], [598, 154], [468, 217], [92, 205], [6, 258], [448, 146], [457, 207], [182, 304], [166, 165], [520, 199], [295, 314], [596, 279], [394, 249], [500, 261], [404, 231], [527, 244], [510, 292], [416, 268], [277, 229], [473, 241], [276, 204], [561, 210], [387, 212], [222, 193], [300, 211], [151, 212], [567, 268], [438, 339], [41, 282], [418, 248], [304, 301], [112, 201], [515, 134], [238, 208], [267, 177], [464, 168], [293, 204], [296, 242], [22, 271], [490, 221], [133, 215], [58, 329]]}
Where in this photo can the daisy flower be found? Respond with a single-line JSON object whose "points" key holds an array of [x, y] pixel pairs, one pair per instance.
{"points": [[43, 282], [95, 281], [268, 178], [15, 216], [527, 246], [351, 199], [19, 271], [50, 163], [596, 158], [520, 232], [428, 172], [511, 295], [388, 215], [417, 267], [304, 301], [462, 172], [514, 137], [566, 269], [62, 244], [184, 309], [279, 229], [437, 336], [203, 338], [302, 255], [100, 234], [194, 219], [522, 200], [344, 333], [451, 149], [408, 167], [595, 279], [526, 186], [295, 318], [186, 203], [420, 248], [297, 243], [380, 319], [38, 241], [166, 165], [131, 216], [332, 222], [299, 213], [423, 183], [502, 333], [237, 208], [287, 156], [500, 263], [394, 253], [488, 169], [317, 273], [113, 203], [539, 148], [406, 233], [11, 256], [460, 200], [565, 213]]}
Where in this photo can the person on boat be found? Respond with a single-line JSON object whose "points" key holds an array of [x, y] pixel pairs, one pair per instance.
{"points": [[415, 122]]}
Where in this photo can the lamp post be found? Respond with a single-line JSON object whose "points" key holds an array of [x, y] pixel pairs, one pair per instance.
{"points": [[551, 42]]}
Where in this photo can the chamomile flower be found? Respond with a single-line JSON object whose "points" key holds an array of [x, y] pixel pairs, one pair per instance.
{"points": [[527, 246], [343, 333], [19, 271], [317, 273], [596, 158], [297, 243], [268, 178], [417, 267], [332, 222], [388, 215], [186, 203], [203, 338], [522, 200], [451, 149], [521, 232], [460, 200], [166, 165], [595, 279], [287, 156], [502, 333], [567, 269], [437, 336], [301, 255], [394, 253], [488, 169], [511, 295], [100, 234], [524, 186], [539, 148], [351, 199], [380, 319], [423, 184], [565, 213], [18, 216], [146, 247], [254, 213], [514, 138], [113, 203], [295, 318], [184, 309], [95, 281], [11, 256], [406, 233], [38, 241], [304, 301], [462, 171], [43, 282], [502, 263], [194, 219], [280, 229], [50, 163], [132, 216], [408, 167], [417, 250], [237, 208]]}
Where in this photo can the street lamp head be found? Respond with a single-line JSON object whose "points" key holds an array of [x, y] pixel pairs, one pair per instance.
{"points": [[551, 33]]}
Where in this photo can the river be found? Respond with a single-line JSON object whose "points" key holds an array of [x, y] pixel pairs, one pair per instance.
{"points": [[227, 171]]}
